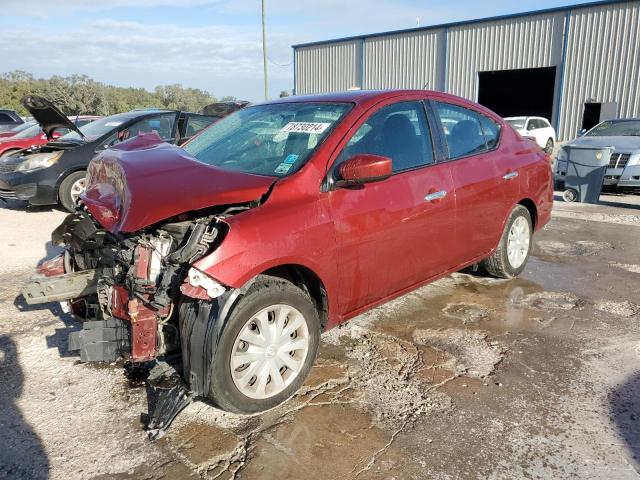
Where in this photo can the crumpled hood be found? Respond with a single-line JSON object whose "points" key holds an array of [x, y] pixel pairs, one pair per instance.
{"points": [[144, 180], [48, 115], [621, 144]]}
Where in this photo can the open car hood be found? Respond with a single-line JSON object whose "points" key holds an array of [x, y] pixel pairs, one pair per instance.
{"points": [[144, 180], [48, 115]]}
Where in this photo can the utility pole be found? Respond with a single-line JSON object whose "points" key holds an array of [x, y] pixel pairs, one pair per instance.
{"points": [[264, 57]]}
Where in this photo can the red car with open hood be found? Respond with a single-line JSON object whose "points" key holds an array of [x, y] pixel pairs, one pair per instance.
{"points": [[283, 220]]}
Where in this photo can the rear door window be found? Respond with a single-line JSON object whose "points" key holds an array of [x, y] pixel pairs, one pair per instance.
{"points": [[196, 124], [490, 130], [463, 131], [397, 131]]}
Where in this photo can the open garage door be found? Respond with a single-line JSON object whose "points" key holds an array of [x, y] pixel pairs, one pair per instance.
{"points": [[512, 93]]}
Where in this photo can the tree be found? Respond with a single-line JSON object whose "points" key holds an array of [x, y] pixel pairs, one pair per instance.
{"points": [[81, 95]]}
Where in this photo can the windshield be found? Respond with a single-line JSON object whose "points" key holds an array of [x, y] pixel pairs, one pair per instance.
{"points": [[516, 122], [274, 139], [97, 128], [616, 128], [32, 131]]}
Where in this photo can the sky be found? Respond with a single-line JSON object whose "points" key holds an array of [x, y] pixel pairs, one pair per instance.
{"points": [[214, 45]]}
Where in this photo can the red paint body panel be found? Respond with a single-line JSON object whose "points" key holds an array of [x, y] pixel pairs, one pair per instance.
{"points": [[154, 181], [366, 244], [13, 143]]}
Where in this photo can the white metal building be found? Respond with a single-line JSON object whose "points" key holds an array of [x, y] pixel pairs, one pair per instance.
{"points": [[575, 65]]}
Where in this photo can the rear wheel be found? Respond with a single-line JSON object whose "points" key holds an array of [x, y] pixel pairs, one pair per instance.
{"points": [[513, 251], [549, 146], [71, 188], [266, 349], [570, 195]]}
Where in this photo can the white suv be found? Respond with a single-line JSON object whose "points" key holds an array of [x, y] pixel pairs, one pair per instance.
{"points": [[537, 129]]}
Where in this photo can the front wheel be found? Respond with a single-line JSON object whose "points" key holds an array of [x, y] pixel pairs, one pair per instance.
{"points": [[548, 148], [511, 256], [71, 188], [266, 349]]}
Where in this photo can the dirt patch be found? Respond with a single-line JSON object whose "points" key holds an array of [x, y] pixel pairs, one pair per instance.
{"points": [[470, 353], [581, 247], [618, 219], [466, 312], [622, 309], [551, 301], [626, 266]]}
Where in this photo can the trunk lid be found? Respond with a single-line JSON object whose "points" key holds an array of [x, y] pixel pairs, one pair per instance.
{"points": [[144, 180], [48, 115]]}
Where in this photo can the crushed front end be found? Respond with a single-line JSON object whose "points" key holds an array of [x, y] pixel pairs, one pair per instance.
{"points": [[126, 287]]}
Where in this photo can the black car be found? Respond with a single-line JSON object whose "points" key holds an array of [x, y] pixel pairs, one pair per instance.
{"points": [[55, 172], [9, 119]]}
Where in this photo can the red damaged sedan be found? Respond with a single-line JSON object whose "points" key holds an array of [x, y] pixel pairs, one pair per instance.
{"points": [[283, 220]]}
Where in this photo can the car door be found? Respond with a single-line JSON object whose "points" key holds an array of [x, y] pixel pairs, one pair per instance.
{"points": [[478, 183], [163, 124], [389, 235]]}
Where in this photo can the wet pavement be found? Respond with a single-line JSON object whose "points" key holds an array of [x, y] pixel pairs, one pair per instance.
{"points": [[469, 377]]}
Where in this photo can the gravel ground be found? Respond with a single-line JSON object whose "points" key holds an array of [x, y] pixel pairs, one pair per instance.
{"points": [[469, 377]]}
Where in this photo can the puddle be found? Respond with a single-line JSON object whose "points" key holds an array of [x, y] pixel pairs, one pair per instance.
{"points": [[551, 301], [581, 247], [469, 352], [466, 312], [622, 309], [334, 441]]}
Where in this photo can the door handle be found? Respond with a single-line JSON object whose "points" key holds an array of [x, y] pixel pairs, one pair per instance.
{"points": [[510, 175], [436, 196]]}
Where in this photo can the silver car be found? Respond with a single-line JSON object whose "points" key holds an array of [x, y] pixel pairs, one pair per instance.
{"points": [[623, 135]]}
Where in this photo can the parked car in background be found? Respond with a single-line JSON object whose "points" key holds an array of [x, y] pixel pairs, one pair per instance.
{"points": [[285, 219], [537, 129], [17, 129], [55, 172], [222, 109], [623, 171], [35, 135], [9, 119]]}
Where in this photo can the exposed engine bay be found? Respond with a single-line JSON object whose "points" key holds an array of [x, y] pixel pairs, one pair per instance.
{"points": [[127, 288]]}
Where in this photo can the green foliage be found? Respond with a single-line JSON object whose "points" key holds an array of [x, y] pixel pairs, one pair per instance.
{"points": [[81, 95]]}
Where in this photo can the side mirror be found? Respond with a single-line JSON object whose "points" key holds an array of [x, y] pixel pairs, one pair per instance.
{"points": [[364, 168], [581, 132]]}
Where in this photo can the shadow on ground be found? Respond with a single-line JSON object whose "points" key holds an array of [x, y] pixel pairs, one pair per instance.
{"points": [[22, 455], [624, 404]]}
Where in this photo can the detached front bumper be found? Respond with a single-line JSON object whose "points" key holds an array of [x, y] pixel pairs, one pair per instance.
{"points": [[33, 187]]}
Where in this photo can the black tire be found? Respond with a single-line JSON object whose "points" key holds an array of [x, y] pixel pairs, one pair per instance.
{"points": [[498, 264], [264, 292], [64, 192], [549, 146]]}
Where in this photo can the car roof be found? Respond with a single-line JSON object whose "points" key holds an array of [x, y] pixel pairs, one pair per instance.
{"points": [[359, 96]]}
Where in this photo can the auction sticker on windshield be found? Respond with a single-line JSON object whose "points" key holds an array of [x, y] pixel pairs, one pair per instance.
{"points": [[305, 127]]}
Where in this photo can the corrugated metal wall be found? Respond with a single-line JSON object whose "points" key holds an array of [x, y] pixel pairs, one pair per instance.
{"points": [[527, 42], [603, 62], [328, 68], [602, 58], [409, 60]]}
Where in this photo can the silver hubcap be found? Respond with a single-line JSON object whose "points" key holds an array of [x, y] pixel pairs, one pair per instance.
{"points": [[269, 351], [518, 242], [77, 188]]}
